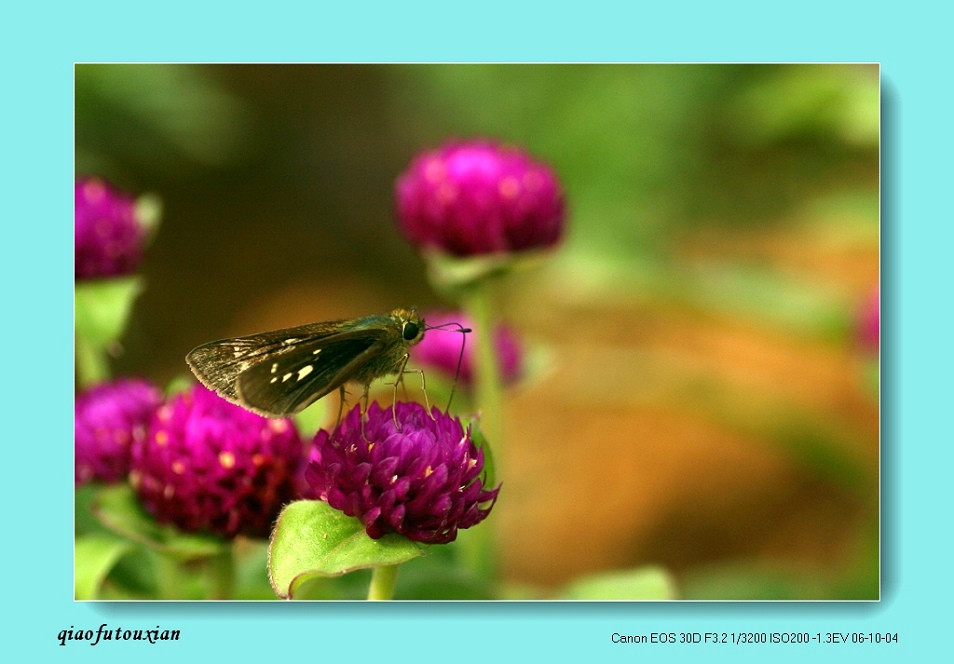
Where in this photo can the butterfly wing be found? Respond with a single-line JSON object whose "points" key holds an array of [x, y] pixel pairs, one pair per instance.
{"points": [[284, 385], [218, 364]]}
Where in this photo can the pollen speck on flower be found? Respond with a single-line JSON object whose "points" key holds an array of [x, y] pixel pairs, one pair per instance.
{"points": [[428, 471], [164, 413], [434, 170], [162, 438], [168, 491], [178, 467], [278, 426], [227, 459], [258, 459], [509, 187]]}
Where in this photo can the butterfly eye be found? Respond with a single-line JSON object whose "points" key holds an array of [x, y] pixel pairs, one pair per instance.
{"points": [[410, 330]]}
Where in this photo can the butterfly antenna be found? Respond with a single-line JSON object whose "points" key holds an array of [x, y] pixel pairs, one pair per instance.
{"points": [[460, 358]]}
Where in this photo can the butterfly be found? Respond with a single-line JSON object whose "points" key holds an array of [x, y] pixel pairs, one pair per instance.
{"points": [[280, 373]]}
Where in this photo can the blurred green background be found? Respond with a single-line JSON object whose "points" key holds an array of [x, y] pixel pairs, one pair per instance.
{"points": [[697, 398]]}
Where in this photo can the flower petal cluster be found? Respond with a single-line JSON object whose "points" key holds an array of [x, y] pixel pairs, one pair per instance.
{"points": [[440, 349], [479, 197], [420, 479], [109, 238], [108, 419], [207, 465]]}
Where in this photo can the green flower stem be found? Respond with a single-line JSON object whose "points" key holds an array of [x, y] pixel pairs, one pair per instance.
{"points": [[383, 581], [221, 570], [477, 546], [478, 304]]}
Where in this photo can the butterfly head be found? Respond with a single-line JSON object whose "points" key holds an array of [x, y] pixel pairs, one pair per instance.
{"points": [[411, 325]]}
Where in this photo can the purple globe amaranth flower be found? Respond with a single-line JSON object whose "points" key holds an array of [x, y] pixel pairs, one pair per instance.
{"points": [[440, 349], [421, 481], [109, 236], [109, 418], [479, 197], [209, 465]]}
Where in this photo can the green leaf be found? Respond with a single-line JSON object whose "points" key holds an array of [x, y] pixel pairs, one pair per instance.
{"points": [[95, 556], [103, 306], [313, 539], [645, 583], [102, 309], [118, 509]]}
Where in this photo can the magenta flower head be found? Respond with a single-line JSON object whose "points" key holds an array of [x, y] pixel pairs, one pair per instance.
{"points": [[109, 418], [479, 197], [109, 237], [210, 466], [440, 349], [422, 481], [869, 322]]}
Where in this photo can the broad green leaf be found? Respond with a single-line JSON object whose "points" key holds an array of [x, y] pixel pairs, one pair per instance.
{"points": [[313, 539], [645, 583], [95, 556], [118, 509], [103, 307]]}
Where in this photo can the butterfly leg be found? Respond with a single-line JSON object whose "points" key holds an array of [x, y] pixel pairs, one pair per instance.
{"points": [[427, 402], [400, 380], [397, 381], [341, 403], [364, 408]]}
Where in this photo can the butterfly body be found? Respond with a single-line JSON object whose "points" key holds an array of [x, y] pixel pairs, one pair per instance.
{"points": [[280, 373]]}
